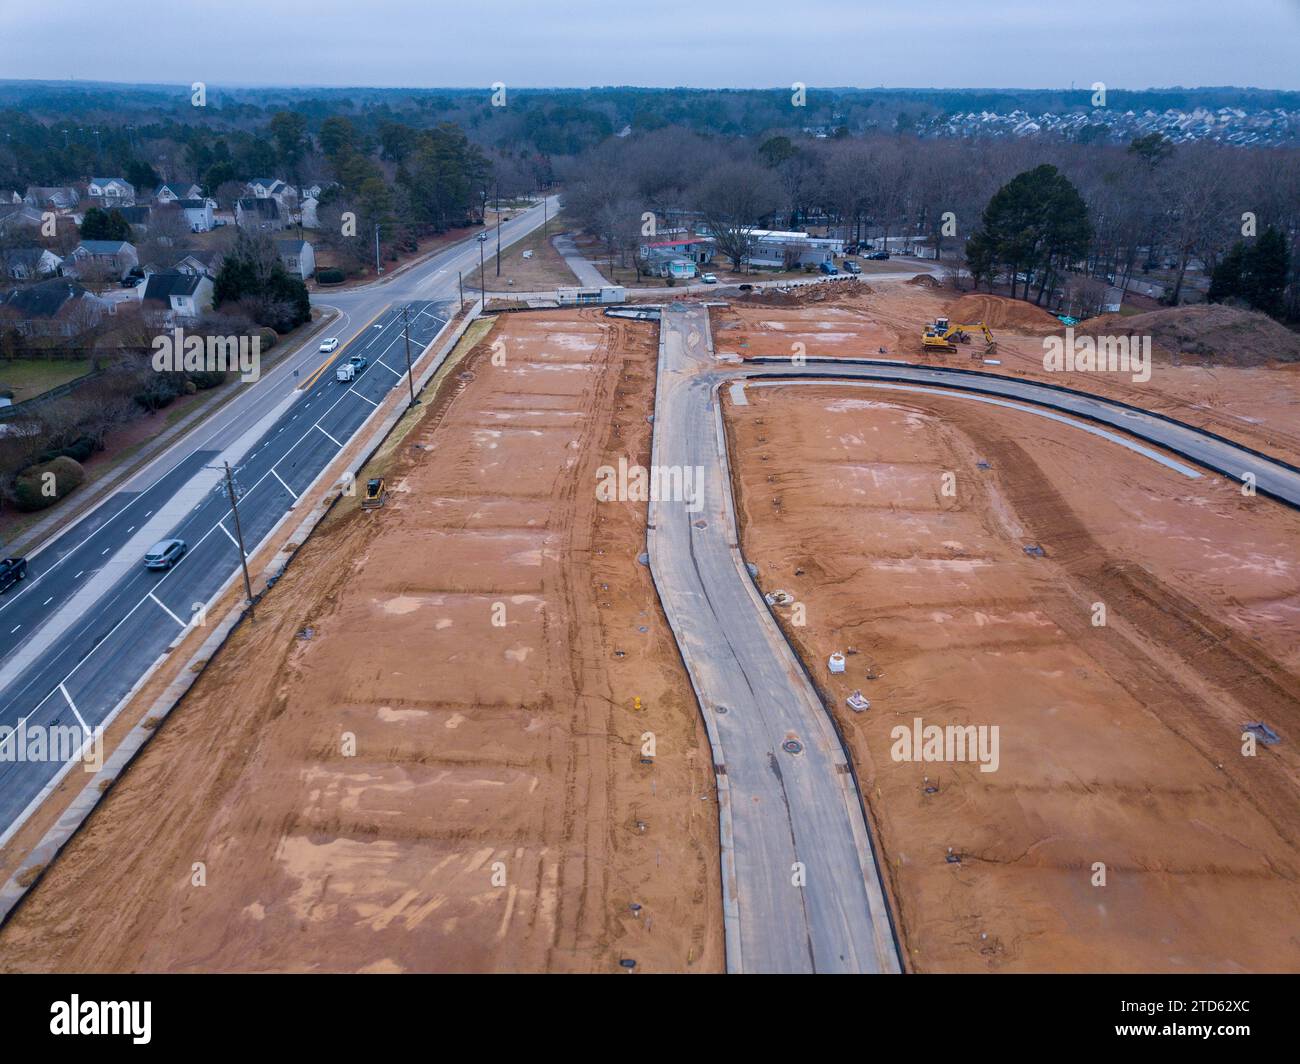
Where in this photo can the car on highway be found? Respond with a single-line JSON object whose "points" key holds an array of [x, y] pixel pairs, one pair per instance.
{"points": [[165, 553], [709, 278], [358, 362], [330, 343], [11, 571]]}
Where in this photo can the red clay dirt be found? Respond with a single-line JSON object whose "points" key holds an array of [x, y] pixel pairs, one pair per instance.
{"points": [[424, 755], [1121, 750]]}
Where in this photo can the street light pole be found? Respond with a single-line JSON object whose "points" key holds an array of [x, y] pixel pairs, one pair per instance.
{"points": [[239, 536], [406, 332], [498, 228], [377, 266], [482, 284]]}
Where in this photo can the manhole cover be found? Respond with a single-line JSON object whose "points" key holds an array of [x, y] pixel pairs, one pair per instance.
{"points": [[701, 524], [792, 746], [722, 709]]}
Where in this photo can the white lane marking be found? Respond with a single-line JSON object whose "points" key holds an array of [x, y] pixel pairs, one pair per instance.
{"points": [[12, 630], [230, 536], [166, 610], [286, 486], [317, 426], [360, 396], [75, 712], [48, 601]]}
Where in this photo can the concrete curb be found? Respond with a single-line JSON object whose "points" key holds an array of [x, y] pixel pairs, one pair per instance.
{"points": [[38, 861]]}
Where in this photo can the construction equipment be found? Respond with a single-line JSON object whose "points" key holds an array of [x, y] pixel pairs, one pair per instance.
{"points": [[945, 336], [375, 494]]}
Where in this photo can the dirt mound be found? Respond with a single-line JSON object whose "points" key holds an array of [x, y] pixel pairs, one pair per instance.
{"points": [[925, 280], [998, 311], [1223, 335], [805, 294]]}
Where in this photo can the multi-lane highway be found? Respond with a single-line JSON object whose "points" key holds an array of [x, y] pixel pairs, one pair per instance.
{"points": [[90, 620]]}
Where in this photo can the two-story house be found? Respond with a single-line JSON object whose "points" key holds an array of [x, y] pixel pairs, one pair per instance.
{"points": [[176, 296], [51, 197], [111, 191], [102, 259], [298, 257], [174, 192], [198, 214], [258, 213]]}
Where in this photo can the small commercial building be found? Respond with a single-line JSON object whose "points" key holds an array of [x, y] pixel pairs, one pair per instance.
{"points": [[580, 297]]}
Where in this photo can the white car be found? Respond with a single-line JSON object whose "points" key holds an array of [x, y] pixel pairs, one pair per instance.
{"points": [[330, 343], [709, 278]]}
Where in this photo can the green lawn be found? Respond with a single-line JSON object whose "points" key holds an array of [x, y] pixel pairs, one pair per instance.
{"points": [[29, 377]]}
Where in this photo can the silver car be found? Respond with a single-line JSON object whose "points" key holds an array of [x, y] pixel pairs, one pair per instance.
{"points": [[165, 553]]}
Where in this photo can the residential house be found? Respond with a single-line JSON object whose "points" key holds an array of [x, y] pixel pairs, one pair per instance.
{"points": [[8, 195], [204, 261], [257, 213], [103, 259], [52, 308], [138, 217], [51, 197], [198, 214], [298, 256], [16, 216], [177, 296], [171, 193], [111, 191], [309, 219], [266, 188], [782, 250], [698, 250], [25, 264]]}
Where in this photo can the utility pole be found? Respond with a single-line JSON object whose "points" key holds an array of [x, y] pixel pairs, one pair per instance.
{"points": [[482, 284], [239, 536], [377, 266], [406, 332], [546, 222], [498, 228], [460, 283]]}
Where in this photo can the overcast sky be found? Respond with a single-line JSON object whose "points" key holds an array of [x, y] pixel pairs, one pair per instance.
{"points": [[701, 43]]}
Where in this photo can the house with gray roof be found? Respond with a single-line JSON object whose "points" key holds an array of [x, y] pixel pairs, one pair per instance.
{"points": [[102, 259], [52, 308], [177, 296]]}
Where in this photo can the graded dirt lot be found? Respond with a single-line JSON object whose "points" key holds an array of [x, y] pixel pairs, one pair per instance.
{"points": [[424, 755], [1120, 745], [1257, 405]]}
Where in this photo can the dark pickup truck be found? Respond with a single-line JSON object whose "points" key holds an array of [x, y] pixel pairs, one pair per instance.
{"points": [[11, 571]]}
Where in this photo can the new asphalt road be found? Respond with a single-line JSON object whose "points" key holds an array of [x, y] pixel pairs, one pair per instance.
{"points": [[90, 620]]}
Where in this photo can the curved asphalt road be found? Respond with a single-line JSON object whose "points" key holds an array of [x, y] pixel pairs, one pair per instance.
{"points": [[782, 812]]}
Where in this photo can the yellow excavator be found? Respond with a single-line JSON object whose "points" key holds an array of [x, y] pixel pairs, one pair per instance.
{"points": [[945, 336]]}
